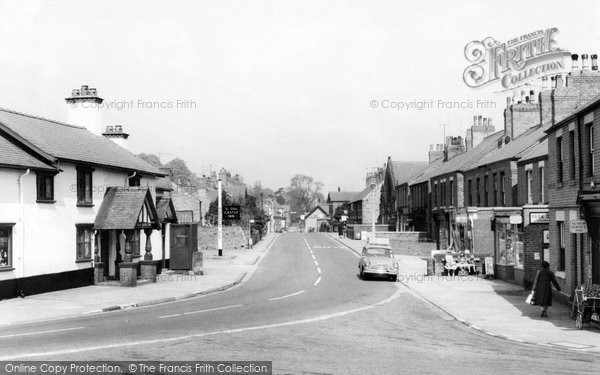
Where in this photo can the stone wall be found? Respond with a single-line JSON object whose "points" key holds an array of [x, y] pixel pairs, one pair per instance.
{"points": [[233, 238]]}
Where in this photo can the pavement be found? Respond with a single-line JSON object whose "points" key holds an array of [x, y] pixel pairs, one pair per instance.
{"points": [[494, 307], [220, 273]]}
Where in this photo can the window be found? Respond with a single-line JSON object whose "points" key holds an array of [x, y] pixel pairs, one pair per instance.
{"points": [[451, 192], [494, 190], [6, 246], [185, 216], [542, 186], [561, 250], [134, 181], [572, 155], [84, 186], [443, 193], [478, 191], [470, 192], [486, 183], [529, 179], [45, 187], [502, 192], [559, 164], [84, 241], [591, 151]]}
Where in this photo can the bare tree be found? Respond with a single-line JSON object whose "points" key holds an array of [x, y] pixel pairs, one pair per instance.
{"points": [[304, 192]]}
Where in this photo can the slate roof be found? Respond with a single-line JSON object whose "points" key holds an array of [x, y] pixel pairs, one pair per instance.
{"points": [[12, 155], [538, 151], [71, 143], [121, 207], [417, 178], [515, 148], [466, 160], [405, 170], [341, 196], [164, 209], [315, 209]]}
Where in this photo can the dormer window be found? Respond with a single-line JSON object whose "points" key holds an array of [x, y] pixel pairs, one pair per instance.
{"points": [[45, 187]]}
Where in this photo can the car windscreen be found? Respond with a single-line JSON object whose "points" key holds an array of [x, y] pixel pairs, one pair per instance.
{"points": [[378, 252]]}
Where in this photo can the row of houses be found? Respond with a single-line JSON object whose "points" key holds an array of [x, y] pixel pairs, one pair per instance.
{"points": [[518, 194]]}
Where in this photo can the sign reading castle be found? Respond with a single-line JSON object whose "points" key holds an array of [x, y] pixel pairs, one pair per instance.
{"points": [[515, 62]]}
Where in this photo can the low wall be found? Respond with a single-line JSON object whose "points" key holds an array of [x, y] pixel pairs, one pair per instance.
{"points": [[233, 238], [404, 236]]}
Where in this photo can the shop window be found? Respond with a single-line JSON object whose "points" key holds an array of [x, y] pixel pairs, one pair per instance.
{"points": [[6, 246], [494, 190], [510, 245], [561, 246], [84, 241], [84, 186], [451, 193], [478, 192], [45, 187], [559, 164], [486, 184]]}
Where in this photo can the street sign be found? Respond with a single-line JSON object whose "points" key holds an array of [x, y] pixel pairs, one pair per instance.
{"points": [[578, 226], [231, 212], [539, 217]]}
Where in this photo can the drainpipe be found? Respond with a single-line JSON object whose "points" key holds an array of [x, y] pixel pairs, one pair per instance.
{"points": [[130, 177], [22, 206]]}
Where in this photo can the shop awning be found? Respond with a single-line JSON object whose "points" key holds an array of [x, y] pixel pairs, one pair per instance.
{"points": [[127, 208]]}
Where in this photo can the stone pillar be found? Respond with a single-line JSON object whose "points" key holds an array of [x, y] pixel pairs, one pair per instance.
{"points": [[148, 270], [198, 262], [148, 255], [98, 272], [126, 247], [128, 273]]}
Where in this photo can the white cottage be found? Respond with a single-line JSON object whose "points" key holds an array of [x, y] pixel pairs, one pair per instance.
{"points": [[55, 219], [316, 220]]}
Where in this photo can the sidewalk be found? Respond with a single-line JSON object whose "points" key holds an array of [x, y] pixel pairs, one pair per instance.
{"points": [[494, 307], [220, 273]]}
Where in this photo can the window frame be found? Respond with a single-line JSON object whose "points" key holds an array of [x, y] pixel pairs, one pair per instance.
{"points": [[44, 177], [572, 154], [80, 256], [82, 190], [542, 184], [561, 247], [560, 161], [9, 248], [591, 164], [529, 185]]}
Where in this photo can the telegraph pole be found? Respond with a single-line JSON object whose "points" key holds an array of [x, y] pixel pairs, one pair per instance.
{"points": [[220, 220]]}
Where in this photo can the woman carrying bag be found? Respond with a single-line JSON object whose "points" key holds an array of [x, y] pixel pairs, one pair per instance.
{"points": [[542, 288]]}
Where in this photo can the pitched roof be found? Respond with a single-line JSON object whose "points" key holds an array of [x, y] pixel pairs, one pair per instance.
{"points": [[365, 193], [580, 108], [121, 207], [418, 177], [538, 151], [466, 160], [12, 155], [341, 196], [166, 210], [315, 209], [71, 143], [404, 170], [515, 148]]}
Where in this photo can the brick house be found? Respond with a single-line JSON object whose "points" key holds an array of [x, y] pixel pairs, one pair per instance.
{"points": [[396, 174]]}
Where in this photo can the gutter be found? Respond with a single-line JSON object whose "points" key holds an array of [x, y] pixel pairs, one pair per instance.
{"points": [[22, 206]]}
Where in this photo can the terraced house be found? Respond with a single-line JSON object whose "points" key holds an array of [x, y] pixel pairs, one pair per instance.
{"points": [[71, 199]]}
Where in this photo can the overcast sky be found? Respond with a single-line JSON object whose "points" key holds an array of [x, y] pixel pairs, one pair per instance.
{"points": [[279, 87]]}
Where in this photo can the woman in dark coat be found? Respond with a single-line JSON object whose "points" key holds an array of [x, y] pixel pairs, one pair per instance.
{"points": [[542, 287]]}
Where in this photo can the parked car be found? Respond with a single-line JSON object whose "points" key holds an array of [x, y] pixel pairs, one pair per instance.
{"points": [[378, 260]]}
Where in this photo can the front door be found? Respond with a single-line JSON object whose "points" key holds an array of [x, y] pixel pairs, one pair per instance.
{"points": [[104, 250], [183, 243]]}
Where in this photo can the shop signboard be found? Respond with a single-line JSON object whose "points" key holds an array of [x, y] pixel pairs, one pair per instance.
{"points": [[539, 217], [515, 219], [461, 219], [578, 226]]}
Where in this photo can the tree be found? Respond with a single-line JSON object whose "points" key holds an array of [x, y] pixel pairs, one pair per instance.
{"points": [[213, 209], [152, 159], [181, 173], [304, 192]]}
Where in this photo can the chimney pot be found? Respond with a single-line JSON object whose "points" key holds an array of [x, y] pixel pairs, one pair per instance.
{"points": [[575, 63], [75, 92], [485, 122], [479, 120], [523, 99], [594, 62], [475, 120], [489, 122], [532, 98], [559, 81], [584, 62]]}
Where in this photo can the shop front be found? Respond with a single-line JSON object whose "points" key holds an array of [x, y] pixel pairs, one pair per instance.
{"points": [[509, 250]]}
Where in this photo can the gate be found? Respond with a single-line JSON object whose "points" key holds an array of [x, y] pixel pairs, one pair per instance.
{"points": [[184, 241]]}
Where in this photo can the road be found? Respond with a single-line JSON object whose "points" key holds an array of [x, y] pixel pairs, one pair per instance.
{"points": [[306, 310]]}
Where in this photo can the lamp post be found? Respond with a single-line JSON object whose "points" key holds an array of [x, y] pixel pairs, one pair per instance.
{"points": [[220, 220]]}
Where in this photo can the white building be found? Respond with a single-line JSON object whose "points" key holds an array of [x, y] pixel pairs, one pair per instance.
{"points": [[55, 218]]}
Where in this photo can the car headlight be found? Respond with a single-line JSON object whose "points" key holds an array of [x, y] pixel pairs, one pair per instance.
{"points": [[396, 265], [367, 264]]}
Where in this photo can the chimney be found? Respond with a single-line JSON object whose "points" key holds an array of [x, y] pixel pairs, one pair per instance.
{"points": [[435, 154], [559, 81], [522, 96], [595, 62], [584, 63], [508, 103], [490, 125], [474, 120], [117, 135], [485, 122], [479, 120], [575, 63], [83, 109], [545, 85]]}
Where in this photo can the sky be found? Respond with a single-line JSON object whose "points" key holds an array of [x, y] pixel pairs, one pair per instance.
{"points": [[270, 89]]}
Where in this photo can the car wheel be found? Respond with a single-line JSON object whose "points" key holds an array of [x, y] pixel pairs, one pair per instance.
{"points": [[394, 278], [362, 274]]}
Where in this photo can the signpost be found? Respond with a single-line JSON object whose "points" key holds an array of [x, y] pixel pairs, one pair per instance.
{"points": [[231, 213], [578, 226]]}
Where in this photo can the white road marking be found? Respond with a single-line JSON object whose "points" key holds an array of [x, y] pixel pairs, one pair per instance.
{"points": [[318, 281], [318, 270], [314, 257], [316, 263], [187, 337], [40, 332], [92, 312], [215, 309], [288, 295], [168, 316], [345, 248]]}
